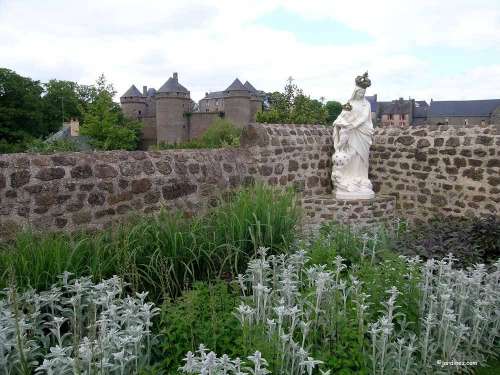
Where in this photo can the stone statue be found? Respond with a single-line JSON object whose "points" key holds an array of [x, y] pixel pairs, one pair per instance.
{"points": [[352, 138]]}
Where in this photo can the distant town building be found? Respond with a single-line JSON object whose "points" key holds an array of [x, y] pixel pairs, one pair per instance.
{"points": [[410, 112], [170, 116], [71, 131], [464, 112], [401, 112]]}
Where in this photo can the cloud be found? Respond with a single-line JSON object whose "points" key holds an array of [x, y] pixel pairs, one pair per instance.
{"points": [[210, 44]]}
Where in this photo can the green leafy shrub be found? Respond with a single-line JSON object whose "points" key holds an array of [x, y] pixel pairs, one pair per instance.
{"points": [[62, 145], [222, 133], [204, 314]]}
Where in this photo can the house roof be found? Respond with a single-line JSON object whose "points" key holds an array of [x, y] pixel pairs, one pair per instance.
{"points": [[373, 102], [151, 92], [132, 92], [250, 87], [215, 95], [473, 108], [236, 86], [395, 107], [173, 85], [421, 109]]}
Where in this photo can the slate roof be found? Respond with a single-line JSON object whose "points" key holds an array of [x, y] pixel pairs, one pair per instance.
{"points": [[173, 85], [151, 92], [81, 142], [421, 109], [373, 102], [249, 87], [236, 86], [132, 92], [463, 108], [395, 107], [215, 95]]}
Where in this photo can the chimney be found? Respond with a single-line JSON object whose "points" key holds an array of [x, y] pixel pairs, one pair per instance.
{"points": [[144, 90], [176, 77]]}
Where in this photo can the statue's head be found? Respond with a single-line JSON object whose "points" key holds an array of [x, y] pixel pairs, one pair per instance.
{"points": [[363, 81]]}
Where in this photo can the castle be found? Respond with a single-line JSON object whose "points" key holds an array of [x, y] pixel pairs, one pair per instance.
{"points": [[169, 115]]}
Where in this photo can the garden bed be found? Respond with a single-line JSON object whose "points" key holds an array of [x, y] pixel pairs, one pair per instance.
{"points": [[238, 291]]}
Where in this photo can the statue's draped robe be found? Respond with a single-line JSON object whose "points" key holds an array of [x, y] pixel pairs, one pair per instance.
{"points": [[353, 135]]}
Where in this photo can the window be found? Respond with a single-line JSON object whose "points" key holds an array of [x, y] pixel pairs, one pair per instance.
{"points": [[466, 121], [446, 121], [390, 116], [139, 112], [402, 116]]}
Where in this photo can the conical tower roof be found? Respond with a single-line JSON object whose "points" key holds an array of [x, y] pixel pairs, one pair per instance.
{"points": [[132, 92], [236, 86], [173, 85], [249, 87]]}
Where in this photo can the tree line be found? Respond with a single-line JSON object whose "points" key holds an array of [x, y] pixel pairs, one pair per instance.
{"points": [[31, 111], [292, 106]]}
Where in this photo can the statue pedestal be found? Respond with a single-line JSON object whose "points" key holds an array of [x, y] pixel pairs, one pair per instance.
{"points": [[348, 196], [360, 213]]}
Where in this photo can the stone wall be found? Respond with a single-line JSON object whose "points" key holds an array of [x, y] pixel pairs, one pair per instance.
{"points": [[363, 214], [449, 170], [70, 191], [88, 190], [428, 169], [292, 155], [199, 122]]}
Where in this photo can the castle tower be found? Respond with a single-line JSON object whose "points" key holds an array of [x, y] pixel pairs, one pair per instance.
{"points": [[172, 102], [255, 101], [133, 103], [237, 104]]}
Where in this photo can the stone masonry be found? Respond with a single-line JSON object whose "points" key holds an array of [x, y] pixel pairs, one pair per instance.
{"points": [[292, 155], [429, 170], [70, 191], [360, 213]]}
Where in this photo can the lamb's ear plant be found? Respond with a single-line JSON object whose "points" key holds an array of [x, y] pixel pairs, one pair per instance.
{"points": [[406, 316], [76, 327]]}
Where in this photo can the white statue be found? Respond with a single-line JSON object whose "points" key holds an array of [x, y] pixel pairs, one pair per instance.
{"points": [[352, 138]]}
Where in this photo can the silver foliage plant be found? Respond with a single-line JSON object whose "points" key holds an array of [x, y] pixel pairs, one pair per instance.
{"points": [[295, 304], [76, 327]]}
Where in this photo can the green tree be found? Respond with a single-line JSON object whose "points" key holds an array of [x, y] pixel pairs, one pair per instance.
{"points": [[21, 116], [293, 107], [61, 101], [333, 108], [104, 122]]}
